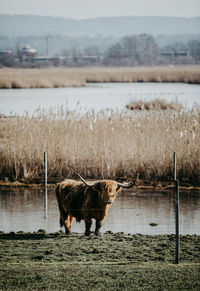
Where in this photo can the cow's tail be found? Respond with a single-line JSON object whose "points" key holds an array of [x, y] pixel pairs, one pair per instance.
{"points": [[62, 211]]}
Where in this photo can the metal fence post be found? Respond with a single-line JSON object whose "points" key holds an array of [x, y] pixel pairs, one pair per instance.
{"points": [[176, 208], [174, 166], [177, 221], [45, 185]]}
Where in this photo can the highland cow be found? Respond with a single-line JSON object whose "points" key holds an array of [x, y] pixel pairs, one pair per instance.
{"points": [[85, 201]]}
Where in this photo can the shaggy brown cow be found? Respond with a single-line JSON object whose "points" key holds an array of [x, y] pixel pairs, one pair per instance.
{"points": [[83, 201]]}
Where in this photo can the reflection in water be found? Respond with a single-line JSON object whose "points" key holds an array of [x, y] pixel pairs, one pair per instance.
{"points": [[45, 203], [26, 209]]}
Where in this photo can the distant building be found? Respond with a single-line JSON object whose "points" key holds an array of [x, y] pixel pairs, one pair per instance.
{"points": [[5, 54], [181, 54], [26, 53], [167, 54], [44, 59], [48, 60], [175, 53]]}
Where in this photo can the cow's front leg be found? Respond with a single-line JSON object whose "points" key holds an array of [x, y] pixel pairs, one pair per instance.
{"points": [[98, 226], [88, 223]]}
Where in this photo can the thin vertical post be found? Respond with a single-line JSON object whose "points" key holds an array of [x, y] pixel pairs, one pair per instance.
{"points": [[45, 169], [45, 186], [174, 166], [176, 208], [177, 221]]}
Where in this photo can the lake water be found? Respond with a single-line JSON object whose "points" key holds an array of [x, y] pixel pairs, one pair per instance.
{"points": [[132, 212], [96, 96]]}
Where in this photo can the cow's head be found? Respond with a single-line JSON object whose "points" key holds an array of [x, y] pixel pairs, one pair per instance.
{"points": [[107, 189]]}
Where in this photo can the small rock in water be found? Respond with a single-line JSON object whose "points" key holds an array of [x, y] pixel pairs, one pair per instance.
{"points": [[153, 224]]}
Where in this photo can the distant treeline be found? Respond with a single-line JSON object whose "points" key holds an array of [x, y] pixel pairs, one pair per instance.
{"points": [[133, 50]]}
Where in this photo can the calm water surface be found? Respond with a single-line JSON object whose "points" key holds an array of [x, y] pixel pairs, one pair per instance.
{"points": [[96, 96], [132, 212]]}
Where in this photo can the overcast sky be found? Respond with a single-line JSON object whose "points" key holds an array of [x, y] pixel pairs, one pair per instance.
{"points": [[98, 8]]}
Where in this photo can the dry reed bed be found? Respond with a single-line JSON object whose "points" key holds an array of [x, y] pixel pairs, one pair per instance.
{"points": [[101, 145], [66, 77], [157, 105], [39, 78]]}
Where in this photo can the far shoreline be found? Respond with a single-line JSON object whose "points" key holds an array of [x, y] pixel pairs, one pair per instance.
{"points": [[62, 77], [143, 185]]}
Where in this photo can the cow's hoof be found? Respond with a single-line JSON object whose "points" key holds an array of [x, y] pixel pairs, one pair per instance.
{"points": [[87, 233]]}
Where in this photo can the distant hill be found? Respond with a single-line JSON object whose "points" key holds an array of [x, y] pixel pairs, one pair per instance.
{"points": [[24, 25]]}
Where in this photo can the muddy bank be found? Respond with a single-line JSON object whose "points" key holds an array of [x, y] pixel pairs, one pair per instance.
{"points": [[142, 185]]}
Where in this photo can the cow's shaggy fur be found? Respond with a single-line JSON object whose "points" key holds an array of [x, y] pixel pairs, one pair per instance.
{"points": [[83, 201]]}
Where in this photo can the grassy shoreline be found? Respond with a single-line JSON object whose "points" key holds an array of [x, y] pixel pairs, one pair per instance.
{"points": [[141, 185], [113, 261], [78, 77]]}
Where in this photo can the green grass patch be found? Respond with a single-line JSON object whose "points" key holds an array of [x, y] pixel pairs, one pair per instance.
{"points": [[113, 261]]}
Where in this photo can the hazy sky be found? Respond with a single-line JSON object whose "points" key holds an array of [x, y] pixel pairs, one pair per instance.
{"points": [[99, 8]]}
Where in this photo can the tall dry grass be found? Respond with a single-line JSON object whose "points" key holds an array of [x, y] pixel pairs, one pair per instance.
{"points": [[101, 145], [63, 77], [155, 105], [39, 78]]}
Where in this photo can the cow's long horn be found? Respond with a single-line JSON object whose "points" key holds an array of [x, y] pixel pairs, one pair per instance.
{"points": [[129, 185], [83, 180]]}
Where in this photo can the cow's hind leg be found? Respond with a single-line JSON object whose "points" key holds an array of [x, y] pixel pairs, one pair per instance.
{"points": [[63, 213], [63, 216], [88, 224], [68, 224]]}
